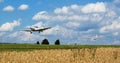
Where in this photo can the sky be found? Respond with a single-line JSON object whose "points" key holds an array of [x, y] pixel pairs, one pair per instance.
{"points": [[72, 21]]}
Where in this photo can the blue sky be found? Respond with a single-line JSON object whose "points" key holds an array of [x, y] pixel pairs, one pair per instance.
{"points": [[72, 21]]}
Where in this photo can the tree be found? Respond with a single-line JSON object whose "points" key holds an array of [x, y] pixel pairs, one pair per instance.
{"points": [[45, 41], [57, 42], [37, 42]]}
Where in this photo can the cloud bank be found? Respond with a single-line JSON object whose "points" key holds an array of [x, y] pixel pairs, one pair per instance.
{"points": [[75, 21]]}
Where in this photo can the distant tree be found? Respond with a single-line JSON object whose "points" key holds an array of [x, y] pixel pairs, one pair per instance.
{"points": [[45, 41], [37, 42], [57, 42]]}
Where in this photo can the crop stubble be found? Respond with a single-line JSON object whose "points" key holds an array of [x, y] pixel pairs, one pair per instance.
{"points": [[83, 55]]}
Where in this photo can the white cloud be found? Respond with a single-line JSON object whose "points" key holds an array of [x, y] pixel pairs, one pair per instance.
{"points": [[60, 31], [39, 24], [54, 17], [23, 36], [63, 10], [73, 24], [97, 7], [15, 34], [75, 7], [115, 26], [23, 7], [71, 13], [116, 33], [9, 26], [52, 31], [69, 10], [8, 8], [111, 14], [41, 15], [28, 37], [2, 33]]}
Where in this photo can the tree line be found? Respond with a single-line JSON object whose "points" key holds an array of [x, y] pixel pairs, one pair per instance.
{"points": [[46, 42]]}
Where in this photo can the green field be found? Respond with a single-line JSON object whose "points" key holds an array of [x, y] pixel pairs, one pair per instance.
{"points": [[27, 47]]}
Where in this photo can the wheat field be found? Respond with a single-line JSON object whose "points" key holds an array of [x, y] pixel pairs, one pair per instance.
{"points": [[83, 55]]}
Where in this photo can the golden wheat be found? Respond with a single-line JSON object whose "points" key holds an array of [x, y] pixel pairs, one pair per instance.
{"points": [[84, 55]]}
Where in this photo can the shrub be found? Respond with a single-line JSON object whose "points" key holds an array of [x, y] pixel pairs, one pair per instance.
{"points": [[37, 42], [45, 41], [57, 42]]}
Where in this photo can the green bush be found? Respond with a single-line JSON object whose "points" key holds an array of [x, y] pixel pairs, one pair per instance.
{"points": [[57, 42], [37, 42], [45, 41]]}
